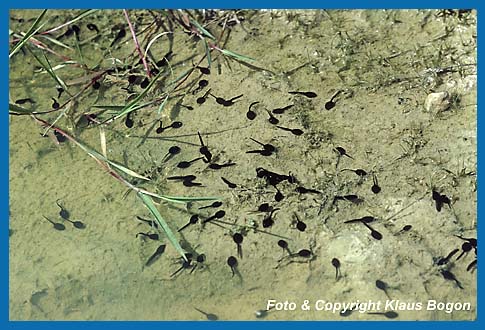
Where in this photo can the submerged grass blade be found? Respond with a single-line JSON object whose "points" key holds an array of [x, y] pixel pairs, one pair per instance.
{"points": [[75, 19], [32, 31], [162, 223], [202, 29], [48, 68], [237, 56], [183, 199], [18, 110], [131, 106]]}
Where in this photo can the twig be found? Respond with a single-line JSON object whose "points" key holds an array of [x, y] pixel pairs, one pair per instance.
{"points": [[137, 45]]}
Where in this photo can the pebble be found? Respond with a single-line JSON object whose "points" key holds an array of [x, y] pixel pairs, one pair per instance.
{"points": [[437, 102]]}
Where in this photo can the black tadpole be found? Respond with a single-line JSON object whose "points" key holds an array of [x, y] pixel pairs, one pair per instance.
{"points": [[229, 184], [310, 95], [128, 121], [92, 27], [215, 205], [360, 172], [374, 233], [342, 152], [218, 215], [303, 190], [445, 260], [279, 195], [406, 228], [55, 104], [331, 103], [251, 114], [336, 264], [215, 166], [381, 285], [300, 225], [375, 187], [186, 164], [465, 247], [152, 236], [268, 219], [388, 314], [272, 119], [204, 150], [56, 225], [294, 131], [232, 262], [440, 200], [121, 34], [29, 100], [472, 266], [151, 223], [172, 151], [63, 212], [279, 111], [366, 219], [304, 253], [265, 207], [209, 316], [238, 239], [447, 275], [261, 152], [266, 146], [284, 245], [202, 99], [144, 84], [193, 220], [77, 224], [175, 125], [159, 251], [204, 70], [345, 312]]}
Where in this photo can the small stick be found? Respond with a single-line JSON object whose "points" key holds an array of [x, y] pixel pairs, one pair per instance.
{"points": [[137, 45]]}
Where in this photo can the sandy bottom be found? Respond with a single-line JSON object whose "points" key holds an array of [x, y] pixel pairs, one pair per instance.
{"points": [[385, 63]]}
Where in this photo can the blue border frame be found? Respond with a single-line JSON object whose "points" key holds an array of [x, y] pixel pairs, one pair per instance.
{"points": [[341, 4]]}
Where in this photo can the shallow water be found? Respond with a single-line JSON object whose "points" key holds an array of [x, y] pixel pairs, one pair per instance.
{"points": [[385, 63]]}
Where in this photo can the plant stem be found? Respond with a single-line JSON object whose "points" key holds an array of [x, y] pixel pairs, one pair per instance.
{"points": [[137, 45]]}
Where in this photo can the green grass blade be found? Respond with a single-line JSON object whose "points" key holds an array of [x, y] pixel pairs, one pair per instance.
{"points": [[202, 29], [162, 106], [162, 223], [131, 106], [75, 19], [208, 54], [237, 56], [54, 41], [15, 109], [182, 199], [48, 68], [32, 31], [97, 155]]}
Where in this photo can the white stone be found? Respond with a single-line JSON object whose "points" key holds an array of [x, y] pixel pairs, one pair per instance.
{"points": [[437, 102]]}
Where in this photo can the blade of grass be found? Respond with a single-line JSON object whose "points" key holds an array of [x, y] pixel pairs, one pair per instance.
{"points": [[130, 106], [75, 19], [202, 29], [32, 31], [237, 56], [208, 54], [17, 110], [48, 68], [162, 223], [54, 41], [188, 199]]}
